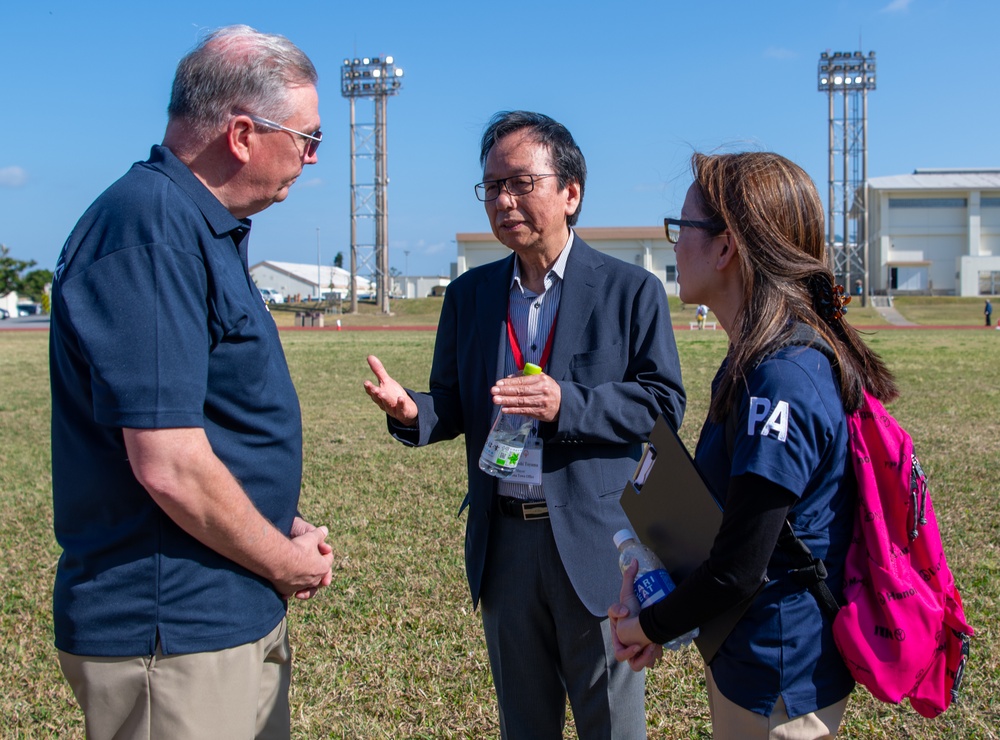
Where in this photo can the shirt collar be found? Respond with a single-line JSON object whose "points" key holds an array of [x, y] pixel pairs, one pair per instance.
{"points": [[557, 270], [218, 218]]}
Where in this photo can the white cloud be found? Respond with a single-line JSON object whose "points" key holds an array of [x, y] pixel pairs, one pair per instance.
{"points": [[314, 182], [897, 6], [776, 52], [13, 176]]}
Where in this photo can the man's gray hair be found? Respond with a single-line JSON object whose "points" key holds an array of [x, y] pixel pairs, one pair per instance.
{"points": [[237, 69]]}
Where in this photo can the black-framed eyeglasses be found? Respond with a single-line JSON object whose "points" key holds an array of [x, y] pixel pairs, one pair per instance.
{"points": [[313, 140], [515, 185], [674, 234]]}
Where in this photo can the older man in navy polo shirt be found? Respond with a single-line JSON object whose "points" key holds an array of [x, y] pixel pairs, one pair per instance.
{"points": [[176, 432]]}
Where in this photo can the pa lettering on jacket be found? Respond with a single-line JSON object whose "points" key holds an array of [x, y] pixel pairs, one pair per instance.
{"points": [[768, 419]]}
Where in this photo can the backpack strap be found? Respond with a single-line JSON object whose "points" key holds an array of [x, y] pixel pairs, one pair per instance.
{"points": [[807, 571]]}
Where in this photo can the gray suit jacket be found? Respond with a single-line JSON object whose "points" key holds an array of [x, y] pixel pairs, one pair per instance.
{"points": [[615, 359]]}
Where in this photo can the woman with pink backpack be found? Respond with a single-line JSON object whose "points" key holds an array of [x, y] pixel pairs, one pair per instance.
{"points": [[750, 245]]}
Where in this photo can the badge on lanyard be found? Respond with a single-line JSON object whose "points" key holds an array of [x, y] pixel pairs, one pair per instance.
{"points": [[529, 466]]}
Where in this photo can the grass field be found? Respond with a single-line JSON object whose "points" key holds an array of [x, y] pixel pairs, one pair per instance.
{"points": [[393, 649]]}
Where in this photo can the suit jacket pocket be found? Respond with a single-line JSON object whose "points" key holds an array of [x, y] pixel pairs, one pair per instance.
{"points": [[598, 365]]}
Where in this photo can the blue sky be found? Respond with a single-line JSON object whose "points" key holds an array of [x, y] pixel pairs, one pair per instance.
{"points": [[641, 85]]}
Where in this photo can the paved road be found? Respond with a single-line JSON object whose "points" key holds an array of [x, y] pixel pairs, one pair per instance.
{"points": [[25, 322], [893, 316]]}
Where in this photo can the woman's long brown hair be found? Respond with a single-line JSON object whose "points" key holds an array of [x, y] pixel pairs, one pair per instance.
{"points": [[771, 208]]}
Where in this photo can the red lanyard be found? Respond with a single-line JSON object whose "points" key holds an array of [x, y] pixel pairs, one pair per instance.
{"points": [[515, 346]]}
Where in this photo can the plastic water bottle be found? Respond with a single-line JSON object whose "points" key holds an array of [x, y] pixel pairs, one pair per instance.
{"points": [[508, 435], [652, 582]]}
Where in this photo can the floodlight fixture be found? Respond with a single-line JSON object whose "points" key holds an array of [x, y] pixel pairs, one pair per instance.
{"points": [[840, 70], [370, 77]]}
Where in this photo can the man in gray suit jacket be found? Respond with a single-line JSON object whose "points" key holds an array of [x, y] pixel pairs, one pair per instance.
{"points": [[538, 550]]}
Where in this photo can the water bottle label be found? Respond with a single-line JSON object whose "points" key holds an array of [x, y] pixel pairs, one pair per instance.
{"points": [[502, 454], [652, 587]]}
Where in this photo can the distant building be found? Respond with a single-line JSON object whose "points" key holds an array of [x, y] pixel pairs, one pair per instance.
{"points": [[306, 281], [416, 286], [9, 302], [935, 231], [646, 246]]}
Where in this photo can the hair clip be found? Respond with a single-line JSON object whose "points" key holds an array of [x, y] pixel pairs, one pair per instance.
{"points": [[832, 300], [838, 303]]}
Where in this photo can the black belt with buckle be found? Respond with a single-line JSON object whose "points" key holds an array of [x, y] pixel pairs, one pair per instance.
{"points": [[519, 509]]}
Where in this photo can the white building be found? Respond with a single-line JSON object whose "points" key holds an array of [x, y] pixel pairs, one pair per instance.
{"points": [[292, 279], [9, 302], [646, 246], [935, 231], [418, 286]]}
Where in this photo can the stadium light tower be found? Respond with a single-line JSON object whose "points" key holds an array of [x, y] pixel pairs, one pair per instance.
{"points": [[846, 77], [376, 78]]}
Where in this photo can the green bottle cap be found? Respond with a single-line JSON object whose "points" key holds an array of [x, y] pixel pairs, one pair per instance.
{"points": [[531, 369]]}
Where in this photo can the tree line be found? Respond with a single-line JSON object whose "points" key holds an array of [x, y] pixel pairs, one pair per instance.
{"points": [[17, 275]]}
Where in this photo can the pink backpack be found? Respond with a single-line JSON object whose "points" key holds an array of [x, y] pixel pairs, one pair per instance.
{"points": [[902, 632]]}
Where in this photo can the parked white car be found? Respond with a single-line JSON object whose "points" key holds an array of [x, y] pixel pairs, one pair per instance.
{"points": [[270, 295]]}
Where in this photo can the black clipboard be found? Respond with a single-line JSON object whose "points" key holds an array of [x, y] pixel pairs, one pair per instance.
{"points": [[674, 512]]}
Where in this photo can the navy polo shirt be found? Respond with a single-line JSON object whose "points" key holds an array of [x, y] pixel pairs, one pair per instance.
{"points": [[792, 431], [157, 324]]}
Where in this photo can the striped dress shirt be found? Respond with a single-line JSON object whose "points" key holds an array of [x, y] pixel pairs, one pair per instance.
{"points": [[532, 316]]}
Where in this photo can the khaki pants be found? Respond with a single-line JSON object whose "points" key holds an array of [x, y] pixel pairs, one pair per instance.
{"points": [[237, 694], [731, 721]]}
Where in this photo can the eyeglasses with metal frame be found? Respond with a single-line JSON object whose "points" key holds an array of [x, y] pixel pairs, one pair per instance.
{"points": [[313, 140], [515, 185], [674, 235]]}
